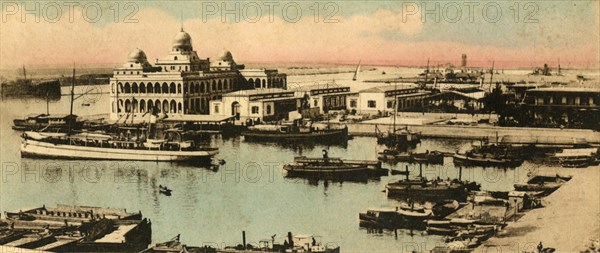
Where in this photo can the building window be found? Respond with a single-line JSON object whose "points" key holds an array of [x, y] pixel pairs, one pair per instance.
{"points": [[564, 100], [254, 109], [371, 104], [268, 109], [353, 103], [316, 102], [216, 109], [390, 104]]}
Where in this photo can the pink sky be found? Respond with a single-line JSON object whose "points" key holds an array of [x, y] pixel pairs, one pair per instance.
{"points": [[352, 39]]}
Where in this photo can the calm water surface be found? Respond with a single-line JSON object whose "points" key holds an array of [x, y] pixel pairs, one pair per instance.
{"points": [[213, 205]]}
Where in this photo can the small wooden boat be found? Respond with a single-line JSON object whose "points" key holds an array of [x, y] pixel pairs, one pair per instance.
{"points": [[433, 157], [577, 157], [485, 161], [394, 155], [542, 184], [164, 190]]}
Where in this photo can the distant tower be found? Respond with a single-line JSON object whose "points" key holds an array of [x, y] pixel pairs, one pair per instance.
{"points": [[463, 63]]}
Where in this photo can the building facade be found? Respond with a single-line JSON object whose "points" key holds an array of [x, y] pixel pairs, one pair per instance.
{"points": [[181, 83], [324, 98], [573, 107], [257, 105], [387, 99]]}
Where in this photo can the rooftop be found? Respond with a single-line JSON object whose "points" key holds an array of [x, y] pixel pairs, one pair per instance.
{"points": [[567, 89], [261, 91], [199, 118], [382, 89]]}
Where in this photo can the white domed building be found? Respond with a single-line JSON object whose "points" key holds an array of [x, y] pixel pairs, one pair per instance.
{"points": [[181, 83]]}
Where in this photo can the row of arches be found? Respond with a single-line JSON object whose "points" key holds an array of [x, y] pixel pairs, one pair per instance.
{"points": [[143, 106], [142, 88], [221, 85], [266, 83]]}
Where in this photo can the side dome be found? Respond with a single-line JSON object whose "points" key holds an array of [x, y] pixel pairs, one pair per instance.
{"points": [[182, 39], [226, 56], [137, 56]]}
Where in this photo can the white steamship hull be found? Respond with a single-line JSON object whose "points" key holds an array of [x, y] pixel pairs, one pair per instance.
{"points": [[44, 149]]}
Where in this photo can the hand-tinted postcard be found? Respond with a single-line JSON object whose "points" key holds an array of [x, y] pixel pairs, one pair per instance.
{"points": [[299, 126]]}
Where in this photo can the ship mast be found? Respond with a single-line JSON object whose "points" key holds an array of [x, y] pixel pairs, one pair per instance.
{"points": [[395, 106], [492, 75], [24, 74], [72, 99]]}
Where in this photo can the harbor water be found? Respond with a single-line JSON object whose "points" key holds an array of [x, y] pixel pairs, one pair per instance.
{"points": [[211, 205]]}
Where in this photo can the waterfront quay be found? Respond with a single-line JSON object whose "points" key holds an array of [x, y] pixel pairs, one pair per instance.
{"points": [[528, 135], [568, 222]]}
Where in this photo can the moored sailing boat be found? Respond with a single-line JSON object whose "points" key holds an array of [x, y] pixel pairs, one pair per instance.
{"points": [[134, 144], [355, 77], [107, 147]]}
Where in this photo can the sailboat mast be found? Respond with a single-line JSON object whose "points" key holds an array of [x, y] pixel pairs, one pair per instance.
{"points": [[24, 73], [47, 104], [72, 91], [395, 106], [356, 71], [427, 71], [492, 75]]}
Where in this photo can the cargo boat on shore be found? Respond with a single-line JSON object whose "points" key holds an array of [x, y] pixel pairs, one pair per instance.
{"points": [[543, 183], [434, 190]]}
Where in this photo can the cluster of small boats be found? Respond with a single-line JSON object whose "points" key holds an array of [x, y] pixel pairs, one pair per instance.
{"points": [[292, 244]]}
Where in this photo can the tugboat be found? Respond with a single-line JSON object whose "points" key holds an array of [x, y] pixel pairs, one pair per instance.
{"points": [[401, 138], [297, 131], [333, 168]]}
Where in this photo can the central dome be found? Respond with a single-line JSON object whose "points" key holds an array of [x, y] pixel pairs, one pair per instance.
{"points": [[137, 56], [182, 39]]}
